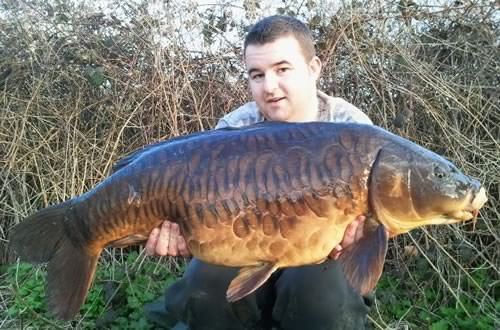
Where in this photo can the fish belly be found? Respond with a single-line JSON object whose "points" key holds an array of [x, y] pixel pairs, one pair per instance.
{"points": [[309, 241]]}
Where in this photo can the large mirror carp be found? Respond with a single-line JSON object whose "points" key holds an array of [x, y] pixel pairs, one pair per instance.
{"points": [[262, 197]]}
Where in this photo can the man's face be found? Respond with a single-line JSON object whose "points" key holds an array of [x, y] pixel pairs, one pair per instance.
{"points": [[282, 81]]}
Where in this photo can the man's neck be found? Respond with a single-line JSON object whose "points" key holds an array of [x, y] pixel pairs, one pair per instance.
{"points": [[312, 113]]}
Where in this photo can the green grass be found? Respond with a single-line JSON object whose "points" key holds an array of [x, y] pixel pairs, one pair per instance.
{"points": [[422, 304], [124, 282], [115, 300]]}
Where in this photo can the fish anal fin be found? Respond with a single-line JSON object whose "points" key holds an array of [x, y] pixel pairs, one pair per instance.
{"points": [[363, 261], [129, 240], [248, 280]]}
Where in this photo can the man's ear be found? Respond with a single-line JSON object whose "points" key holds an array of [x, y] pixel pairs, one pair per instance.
{"points": [[315, 67]]}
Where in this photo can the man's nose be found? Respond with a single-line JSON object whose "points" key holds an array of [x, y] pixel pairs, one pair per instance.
{"points": [[270, 83]]}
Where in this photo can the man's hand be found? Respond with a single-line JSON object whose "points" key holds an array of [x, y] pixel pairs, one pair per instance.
{"points": [[167, 240], [352, 234]]}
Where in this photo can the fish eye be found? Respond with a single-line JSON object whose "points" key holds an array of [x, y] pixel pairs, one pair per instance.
{"points": [[440, 172]]}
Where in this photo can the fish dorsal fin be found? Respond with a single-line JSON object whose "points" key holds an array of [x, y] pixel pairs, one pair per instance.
{"points": [[248, 280], [128, 159], [363, 261], [125, 161]]}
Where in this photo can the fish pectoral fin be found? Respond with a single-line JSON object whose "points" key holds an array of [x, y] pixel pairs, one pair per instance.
{"points": [[129, 240], [363, 261], [248, 280]]}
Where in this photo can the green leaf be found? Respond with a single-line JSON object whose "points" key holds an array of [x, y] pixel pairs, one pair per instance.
{"points": [[447, 311], [133, 302], [95, 76], [440, 325], [12, 311]]}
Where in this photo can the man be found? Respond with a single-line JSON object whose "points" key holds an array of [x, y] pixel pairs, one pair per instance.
{"points": [[282, 70]]}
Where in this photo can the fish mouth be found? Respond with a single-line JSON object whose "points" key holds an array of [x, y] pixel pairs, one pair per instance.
{"points": [[472, 211], [462, 215], [480, 199]]}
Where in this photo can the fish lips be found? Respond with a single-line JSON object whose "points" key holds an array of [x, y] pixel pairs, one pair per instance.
{"points": [[472, 210]]}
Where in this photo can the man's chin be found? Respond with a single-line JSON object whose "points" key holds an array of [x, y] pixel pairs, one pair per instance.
{"points": [[277, 114]]}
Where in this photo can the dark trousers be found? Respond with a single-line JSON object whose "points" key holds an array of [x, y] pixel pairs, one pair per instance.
{"points": [[308, 297]]}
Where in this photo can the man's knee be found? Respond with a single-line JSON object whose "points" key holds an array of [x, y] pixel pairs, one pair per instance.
{"points": [[318, 297], [199, 299]]}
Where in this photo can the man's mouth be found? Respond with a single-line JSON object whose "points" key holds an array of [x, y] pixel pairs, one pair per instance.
{"points": [[275, 99]]}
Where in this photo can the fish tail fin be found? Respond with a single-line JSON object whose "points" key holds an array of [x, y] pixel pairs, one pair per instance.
{"points": [[70, 273], [42, 238], [38, 237]]}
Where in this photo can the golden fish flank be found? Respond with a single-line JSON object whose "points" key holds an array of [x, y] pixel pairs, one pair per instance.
{"points": [[263, 197]]}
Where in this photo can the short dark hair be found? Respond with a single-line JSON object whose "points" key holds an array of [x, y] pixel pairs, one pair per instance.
{"points": [[274, 27]]}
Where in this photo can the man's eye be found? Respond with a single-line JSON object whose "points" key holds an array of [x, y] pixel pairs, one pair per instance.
{"points": [[283, 70], [257, 76]]}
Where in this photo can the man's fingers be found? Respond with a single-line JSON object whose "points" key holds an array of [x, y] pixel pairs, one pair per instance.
{"points": [[163, 239], [152, 240], [335, 254], [167, 240], [360, 227], [349, 234], [354, 231], [178, 242], [182, 246], [173, 238]]}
